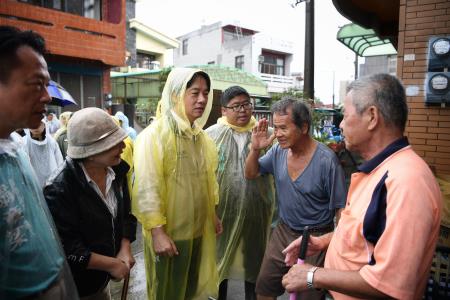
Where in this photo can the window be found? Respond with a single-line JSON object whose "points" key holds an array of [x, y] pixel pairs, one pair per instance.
{"points": [[211, 62], [185, 47], [92, 9], [85, 8], [392, 65], [92, 91], [145, 60], [272, 63], [239, 62], [86, 89]]}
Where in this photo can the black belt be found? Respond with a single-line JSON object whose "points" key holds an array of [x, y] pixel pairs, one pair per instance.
{"points": [[312, 229]]}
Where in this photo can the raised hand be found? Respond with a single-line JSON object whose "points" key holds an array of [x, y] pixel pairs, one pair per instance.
{"points": [[260, 135]]}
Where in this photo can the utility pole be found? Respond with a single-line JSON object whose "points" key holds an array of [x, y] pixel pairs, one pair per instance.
{"points": [[308, 89], [308, 72]]}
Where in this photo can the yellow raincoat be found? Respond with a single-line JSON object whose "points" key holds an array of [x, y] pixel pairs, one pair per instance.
{"points": [[127, 156], [175, 186], [245, 208]]}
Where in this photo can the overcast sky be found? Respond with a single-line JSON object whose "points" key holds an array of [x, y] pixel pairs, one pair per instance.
{"points": [[273, 17]]}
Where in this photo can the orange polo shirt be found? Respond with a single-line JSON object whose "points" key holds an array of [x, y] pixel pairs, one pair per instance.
{"points": [[390, 225]]}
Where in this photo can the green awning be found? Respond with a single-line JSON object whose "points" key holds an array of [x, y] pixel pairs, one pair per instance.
{"points": [[363, 41]]}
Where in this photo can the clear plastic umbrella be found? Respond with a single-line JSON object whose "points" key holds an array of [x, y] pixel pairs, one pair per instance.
{"points": [[60, 96]]}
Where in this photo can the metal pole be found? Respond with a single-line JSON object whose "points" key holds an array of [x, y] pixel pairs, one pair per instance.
{"points": [[356, 65], [308, 89]]}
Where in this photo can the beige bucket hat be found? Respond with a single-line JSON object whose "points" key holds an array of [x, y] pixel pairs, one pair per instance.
{"points": [[91, 131]]}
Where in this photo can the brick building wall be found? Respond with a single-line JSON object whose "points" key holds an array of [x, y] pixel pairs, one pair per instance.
{"points": [[428, 127], [81, 50], [71, 35]]}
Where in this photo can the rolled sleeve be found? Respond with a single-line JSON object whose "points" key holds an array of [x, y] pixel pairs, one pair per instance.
{"points": [[336, 186]]}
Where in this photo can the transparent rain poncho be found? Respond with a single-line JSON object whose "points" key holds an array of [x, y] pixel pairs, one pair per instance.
{"points": [[31, 257], [245, 207], [175, 186], [125, 125], [45, 156]]}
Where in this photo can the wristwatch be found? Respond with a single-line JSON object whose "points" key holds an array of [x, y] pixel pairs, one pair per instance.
{"points": [[310, 277]]}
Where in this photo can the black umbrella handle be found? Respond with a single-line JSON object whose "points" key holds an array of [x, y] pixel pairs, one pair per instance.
{"points": [[302, 254], [304, 244]]}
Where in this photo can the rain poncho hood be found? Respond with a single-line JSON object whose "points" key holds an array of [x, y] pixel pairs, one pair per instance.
{"points": [[245, 207], [31, 257], [63, 120], [175, 187], [45, 156], [52, 125], [126, 125]]}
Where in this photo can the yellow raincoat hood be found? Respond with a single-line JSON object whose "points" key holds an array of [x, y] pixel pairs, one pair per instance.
{"points": [[172, 100]]}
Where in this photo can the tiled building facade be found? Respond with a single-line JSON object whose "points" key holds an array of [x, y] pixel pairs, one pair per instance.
{"points": [[85, 39]]}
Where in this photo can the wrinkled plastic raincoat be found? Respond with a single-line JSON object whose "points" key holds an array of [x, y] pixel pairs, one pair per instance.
{"points": [[175, 186], [245, 206], [63, 120], [31, 257], [45, 156], [127, 156], [126, 125]]}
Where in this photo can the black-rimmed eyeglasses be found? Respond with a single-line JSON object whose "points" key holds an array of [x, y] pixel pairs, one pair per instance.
{"points": [[237, 107]]}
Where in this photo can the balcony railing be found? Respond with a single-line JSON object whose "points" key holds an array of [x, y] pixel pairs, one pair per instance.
{"points": [[277, 83]]}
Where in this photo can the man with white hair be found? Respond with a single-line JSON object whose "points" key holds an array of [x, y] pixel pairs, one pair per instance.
{"points": [[385, 240]]}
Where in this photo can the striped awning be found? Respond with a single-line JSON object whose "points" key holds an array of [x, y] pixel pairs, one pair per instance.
{"points": [[364, 42]]}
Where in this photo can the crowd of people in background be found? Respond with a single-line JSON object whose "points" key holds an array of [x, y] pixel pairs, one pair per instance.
{"points": [[47, 144], [73, 189]]}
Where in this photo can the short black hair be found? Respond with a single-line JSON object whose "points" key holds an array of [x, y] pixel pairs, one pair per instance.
{"points": [[301, 113], [197, 75], [231, 92], [11, 39]]}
